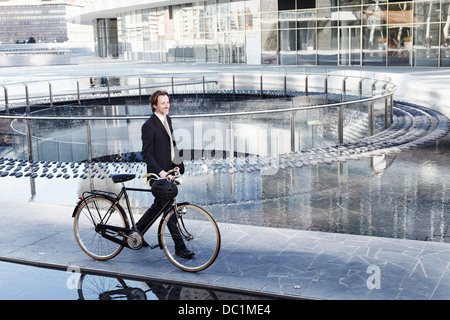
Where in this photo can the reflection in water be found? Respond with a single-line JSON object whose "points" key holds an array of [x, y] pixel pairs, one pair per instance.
{"points": [[95, 287], [26, 282]]}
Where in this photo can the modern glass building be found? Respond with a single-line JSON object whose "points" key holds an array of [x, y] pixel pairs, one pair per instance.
{"points": [[38, 22], [281, 32]]}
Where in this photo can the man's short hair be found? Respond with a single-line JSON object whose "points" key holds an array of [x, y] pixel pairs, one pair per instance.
{"points": [[154, 97]]}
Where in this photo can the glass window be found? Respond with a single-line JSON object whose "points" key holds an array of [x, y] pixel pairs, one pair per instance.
{"points": [[399, 45], [349, 2], [326, 3], [286, 4], [269, 47], [445, 34], [269, 5], [237, 7], [349, 16], [306, 46], [252, 6], [269, 21], [306, 4], [425, 45], [327, 46], [327, 17], [288, 46], [374, 45]]}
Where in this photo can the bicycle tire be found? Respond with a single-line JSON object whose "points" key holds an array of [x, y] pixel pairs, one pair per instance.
{"points": [[93, 287], [200, 234], [91, 211]]}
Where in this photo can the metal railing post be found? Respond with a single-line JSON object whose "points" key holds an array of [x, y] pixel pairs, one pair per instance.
{"points": [[360, 89], [234, 85], [344, 89], [371, 118], [140, 89], [29, 140], [306, 85], [373, 87], [6, 100], [88, 140], [341, 124], [231, 137], [386, 111], [27, 99], [391, 98], [50, 93], [261, 86], [78, 92], [173, 88], [293, 132], [109, 91], [204, 86]]}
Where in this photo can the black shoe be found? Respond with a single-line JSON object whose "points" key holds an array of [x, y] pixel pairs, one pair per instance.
{"points": [[185, 253]]}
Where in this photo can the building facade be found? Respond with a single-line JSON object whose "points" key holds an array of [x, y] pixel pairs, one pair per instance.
{"points": [[281, 32], [37, 21]]}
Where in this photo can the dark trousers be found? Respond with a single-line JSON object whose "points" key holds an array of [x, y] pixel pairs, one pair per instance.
{"points": [[149, 215]]}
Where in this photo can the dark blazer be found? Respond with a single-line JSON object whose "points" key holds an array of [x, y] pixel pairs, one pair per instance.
{"points": [[156, 145]]}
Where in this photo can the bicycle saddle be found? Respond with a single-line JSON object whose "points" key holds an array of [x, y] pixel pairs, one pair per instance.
{"points": [[122, 177]]}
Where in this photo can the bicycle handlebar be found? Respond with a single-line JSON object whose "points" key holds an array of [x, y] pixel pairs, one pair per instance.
{"points": [[153, 176]]}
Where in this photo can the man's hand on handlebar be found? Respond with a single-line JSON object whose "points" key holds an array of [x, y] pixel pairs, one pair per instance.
{"points": [[167, 175], [170, 175]]}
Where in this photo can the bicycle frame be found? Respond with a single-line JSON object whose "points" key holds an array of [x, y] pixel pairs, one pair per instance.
{"points": [[115, 198]]}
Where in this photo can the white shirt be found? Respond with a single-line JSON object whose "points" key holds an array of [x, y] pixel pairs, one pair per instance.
{"points": [[160, 117], [163, 118]]}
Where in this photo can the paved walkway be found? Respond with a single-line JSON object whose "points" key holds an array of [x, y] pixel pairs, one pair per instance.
{"points": [[290, 263]]}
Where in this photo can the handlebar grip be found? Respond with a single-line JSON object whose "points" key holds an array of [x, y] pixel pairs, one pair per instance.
{"points": [[174, 170]]}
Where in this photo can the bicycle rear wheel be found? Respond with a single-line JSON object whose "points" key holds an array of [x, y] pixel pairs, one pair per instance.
{"points": [[92, 211], [199, 232]]}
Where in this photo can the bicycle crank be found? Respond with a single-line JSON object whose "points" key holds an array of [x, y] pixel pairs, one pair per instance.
{"points": [[135, 240], [130, 238]]}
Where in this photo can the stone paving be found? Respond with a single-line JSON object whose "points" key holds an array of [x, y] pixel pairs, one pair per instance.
{"points": [[290, 263]]}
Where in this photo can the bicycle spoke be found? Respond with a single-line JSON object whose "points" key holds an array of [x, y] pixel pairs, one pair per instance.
{"points": [[94, 211], [199, 233]]}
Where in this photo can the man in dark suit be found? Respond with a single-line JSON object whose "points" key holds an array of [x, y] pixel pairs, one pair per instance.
{"points": [[159, 153]]}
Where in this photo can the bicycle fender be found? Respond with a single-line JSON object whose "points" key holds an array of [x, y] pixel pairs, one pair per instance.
{"points": [[159, 233], [80, 201]]}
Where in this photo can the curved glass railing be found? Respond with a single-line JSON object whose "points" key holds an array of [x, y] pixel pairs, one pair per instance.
{"points": [[215, 115]]}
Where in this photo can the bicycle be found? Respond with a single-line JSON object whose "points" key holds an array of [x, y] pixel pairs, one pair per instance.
{"points": [[103, 228]]}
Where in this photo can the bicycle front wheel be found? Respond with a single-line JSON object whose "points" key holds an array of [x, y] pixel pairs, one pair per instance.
{"points": [[93, 211], [199, 232]]}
